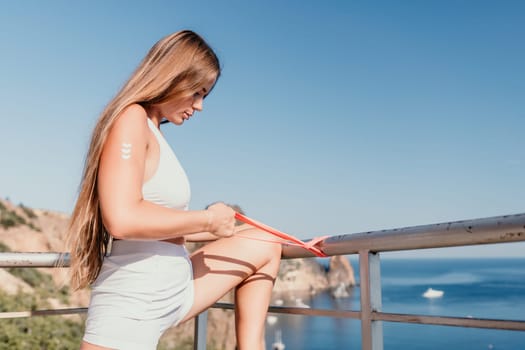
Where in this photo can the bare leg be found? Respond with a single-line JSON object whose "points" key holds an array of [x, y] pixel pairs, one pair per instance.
{"points": [[252, 298], [249, 265], [89, 346]]}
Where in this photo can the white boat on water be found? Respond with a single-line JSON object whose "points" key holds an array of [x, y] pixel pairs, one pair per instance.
{"points": [[271, 319], [433, 293], [278, 344], [299, 303]]}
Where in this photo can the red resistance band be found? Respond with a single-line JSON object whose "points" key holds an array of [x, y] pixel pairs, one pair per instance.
{"points": [[310, 245]]}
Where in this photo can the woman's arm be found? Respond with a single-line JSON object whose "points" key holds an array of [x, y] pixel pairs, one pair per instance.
{"points": [[201, 237], [208, 237], [125, 213]]}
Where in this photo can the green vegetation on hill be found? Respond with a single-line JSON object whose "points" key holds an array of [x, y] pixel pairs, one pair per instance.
{"points": [[4, 248], [9, 218], [39, 332], [41, 282], [28, 211]]}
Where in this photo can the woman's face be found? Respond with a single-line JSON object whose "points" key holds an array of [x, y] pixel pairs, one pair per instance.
{"points": [[179, 110]]}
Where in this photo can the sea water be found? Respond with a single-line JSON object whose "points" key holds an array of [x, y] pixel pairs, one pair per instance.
{"points": [[472, 287]]}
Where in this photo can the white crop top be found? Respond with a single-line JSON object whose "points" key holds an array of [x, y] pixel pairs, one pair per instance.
{"points": [[169, 186]]}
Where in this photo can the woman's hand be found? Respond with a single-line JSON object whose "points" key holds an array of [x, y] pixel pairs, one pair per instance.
{"points": [[221, 220]]}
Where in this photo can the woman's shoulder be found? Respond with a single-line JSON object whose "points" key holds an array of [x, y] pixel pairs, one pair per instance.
{"points": [[132, 118], [134, 113], [131, 124]]}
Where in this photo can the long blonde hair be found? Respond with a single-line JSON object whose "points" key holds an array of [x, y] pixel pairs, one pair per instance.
{"points": [[175, 66]]}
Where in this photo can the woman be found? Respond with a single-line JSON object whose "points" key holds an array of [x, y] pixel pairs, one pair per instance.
{"points": [[135, 194]]}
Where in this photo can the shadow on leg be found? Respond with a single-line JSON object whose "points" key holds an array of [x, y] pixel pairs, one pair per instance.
{"points": [[248, 265]]}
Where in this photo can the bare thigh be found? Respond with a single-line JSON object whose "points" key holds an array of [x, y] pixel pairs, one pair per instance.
{"points": [[221, 265]]}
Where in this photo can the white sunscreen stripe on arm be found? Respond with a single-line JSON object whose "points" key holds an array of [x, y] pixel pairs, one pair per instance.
{"points": [[125, 150]]}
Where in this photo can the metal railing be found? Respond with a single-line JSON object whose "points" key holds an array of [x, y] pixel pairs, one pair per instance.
{"points": [[368, 245]]}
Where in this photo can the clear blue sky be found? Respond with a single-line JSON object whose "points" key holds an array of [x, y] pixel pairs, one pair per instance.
{"points": [[330, 117]]}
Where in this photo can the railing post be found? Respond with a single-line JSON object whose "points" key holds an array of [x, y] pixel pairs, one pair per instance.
{"points": [[199, 337], [370, 283]]}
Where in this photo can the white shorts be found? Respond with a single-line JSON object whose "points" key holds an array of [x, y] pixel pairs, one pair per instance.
{"points": [[144, 288]]}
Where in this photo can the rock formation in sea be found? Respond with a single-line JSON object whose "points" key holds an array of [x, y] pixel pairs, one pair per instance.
{"points": [[307, 275], [340, 276]]}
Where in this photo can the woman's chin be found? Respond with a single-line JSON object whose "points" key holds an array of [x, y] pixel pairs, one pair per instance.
{"points": [[177, 121]]}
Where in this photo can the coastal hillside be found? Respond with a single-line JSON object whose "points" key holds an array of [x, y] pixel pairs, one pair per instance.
{"points": [[24, 229]]}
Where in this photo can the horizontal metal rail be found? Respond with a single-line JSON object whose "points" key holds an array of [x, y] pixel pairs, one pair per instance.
{"points": [[52, 312], [31, 259], [451, 321], [499, 229], [377, 316]]}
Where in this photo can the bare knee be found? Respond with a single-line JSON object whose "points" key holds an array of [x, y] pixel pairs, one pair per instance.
{"points": [[276, 252], [265, 244]]}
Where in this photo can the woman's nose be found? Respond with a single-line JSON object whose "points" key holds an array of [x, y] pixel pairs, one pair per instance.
{"points": [[197, 104]]}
